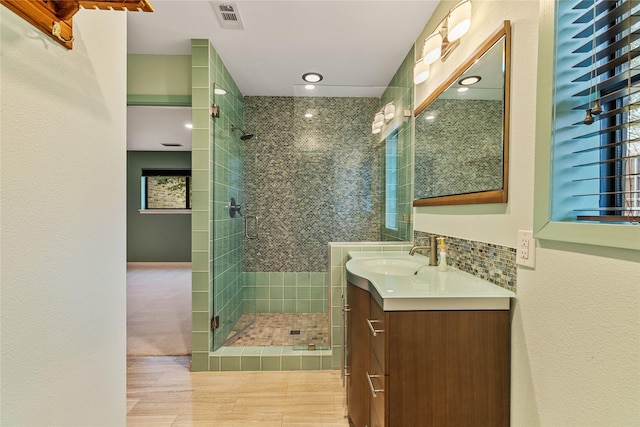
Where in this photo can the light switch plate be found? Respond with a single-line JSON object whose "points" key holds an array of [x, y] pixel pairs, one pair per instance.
{"points": [[526, 249]]}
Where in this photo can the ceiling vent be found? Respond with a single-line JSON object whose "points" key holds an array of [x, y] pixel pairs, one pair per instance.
{"points": [[228, 16]]}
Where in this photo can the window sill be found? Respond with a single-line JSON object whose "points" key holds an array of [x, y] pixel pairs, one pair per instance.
{"points": [[164, 211]]}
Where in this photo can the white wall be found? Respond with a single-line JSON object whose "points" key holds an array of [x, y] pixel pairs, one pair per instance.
{"points": [[576, 323], [63, 268]]}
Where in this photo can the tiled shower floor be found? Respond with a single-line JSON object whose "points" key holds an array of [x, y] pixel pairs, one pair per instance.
{"points": [[274, 329]]}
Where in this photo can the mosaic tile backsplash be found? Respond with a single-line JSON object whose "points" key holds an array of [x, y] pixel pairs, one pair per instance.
{"points": [[309, 181], [494, 263]]}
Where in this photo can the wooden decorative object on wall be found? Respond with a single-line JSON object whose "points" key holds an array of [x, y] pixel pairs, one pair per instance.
{"points": [[54, 17]]}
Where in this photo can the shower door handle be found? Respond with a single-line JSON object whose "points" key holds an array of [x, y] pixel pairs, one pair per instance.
{"points": [[255, 227]]}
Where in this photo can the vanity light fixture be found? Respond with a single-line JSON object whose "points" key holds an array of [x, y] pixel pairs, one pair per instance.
{"points": [[383, 116], [420, 72], [459, 20], [312, 77], [444, 39], [432, 48], [378, 119], [469, 80], [219, 91], [389, 111]]}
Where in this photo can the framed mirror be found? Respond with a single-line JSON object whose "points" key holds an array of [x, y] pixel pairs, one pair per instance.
{"points": [[462, 131]]}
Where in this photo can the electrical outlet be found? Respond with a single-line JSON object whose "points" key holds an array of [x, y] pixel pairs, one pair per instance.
{"points": [[526, 249]]}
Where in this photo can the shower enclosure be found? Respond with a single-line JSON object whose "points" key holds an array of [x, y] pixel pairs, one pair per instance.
{"points": [[313, 173]]}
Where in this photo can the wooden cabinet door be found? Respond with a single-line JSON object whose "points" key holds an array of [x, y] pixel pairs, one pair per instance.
{"points": [[448, 368], [357, 356]]}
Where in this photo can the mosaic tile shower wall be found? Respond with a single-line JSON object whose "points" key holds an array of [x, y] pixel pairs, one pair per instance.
{"points": [[310, 181], [473, 158], [494, 263]]}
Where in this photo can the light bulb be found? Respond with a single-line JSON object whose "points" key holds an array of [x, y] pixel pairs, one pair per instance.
{"points": [[432, 48], [420, 72], [378, 120], [389, 111], [459, 20]]}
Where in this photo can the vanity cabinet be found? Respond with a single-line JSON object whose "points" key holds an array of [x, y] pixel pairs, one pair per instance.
{"points": [[357, 360], [426, 368]]}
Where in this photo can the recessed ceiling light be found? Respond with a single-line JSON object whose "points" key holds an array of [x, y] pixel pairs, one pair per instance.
{"points": [[312, 77], [470, 80], [219, 91], [309, 87]]}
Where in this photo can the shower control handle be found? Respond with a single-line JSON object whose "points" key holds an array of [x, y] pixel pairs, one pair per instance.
{"points": [[234, 208]]}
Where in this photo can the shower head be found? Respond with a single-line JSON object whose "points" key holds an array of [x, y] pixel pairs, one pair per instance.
{"points": [[245, 136]]}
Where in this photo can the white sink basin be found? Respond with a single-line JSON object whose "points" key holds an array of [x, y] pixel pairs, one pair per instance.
{"points": [[392, 266], [393, 278]]}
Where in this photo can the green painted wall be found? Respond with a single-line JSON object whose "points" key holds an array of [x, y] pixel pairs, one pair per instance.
{"points": [[155, 237], [159, 79]]}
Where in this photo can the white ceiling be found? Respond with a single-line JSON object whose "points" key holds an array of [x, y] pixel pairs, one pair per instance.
{"points": [[349, 42], [352, 43], [150, 127]]}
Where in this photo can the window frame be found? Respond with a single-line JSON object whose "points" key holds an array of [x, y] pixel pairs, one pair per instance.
{"points": [[164, 172], [391, 137], [625, 236]]}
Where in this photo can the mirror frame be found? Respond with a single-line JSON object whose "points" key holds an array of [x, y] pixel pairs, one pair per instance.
{"points": [[492, 196]]}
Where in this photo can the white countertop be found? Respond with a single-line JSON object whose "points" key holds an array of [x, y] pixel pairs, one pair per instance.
{"points": [[430, 289]]}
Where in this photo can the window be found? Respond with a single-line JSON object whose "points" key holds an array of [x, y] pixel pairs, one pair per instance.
{"points": [[596, 155], [577, 197], [391, 181], [165, 189]]}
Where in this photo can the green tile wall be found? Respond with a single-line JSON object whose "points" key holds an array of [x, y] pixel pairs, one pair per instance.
{"points": [[286, 292], [269, 359], [217, 248]]}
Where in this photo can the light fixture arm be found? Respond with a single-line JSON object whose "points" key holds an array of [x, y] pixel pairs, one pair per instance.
{"points": [[447, 46]]}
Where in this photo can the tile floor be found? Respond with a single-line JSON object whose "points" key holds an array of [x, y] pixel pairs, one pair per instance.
{"points": [[275, 329]]}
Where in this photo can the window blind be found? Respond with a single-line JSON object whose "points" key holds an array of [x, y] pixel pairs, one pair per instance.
{"points": [[596, 170]]}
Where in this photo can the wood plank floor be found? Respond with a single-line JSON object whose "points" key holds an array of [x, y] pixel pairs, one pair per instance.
{"points": [[162, 392]]}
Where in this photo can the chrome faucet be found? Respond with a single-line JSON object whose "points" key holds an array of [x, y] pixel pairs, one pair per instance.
{"points": [[433, 253]]}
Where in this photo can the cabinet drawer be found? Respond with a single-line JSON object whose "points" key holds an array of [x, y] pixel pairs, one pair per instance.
{"points": [[377, 390], [376, 325]]}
